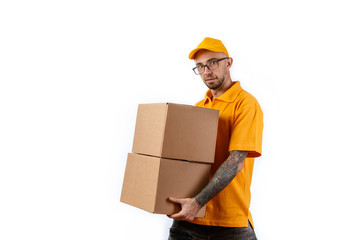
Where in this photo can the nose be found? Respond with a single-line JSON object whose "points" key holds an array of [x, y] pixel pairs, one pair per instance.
{"points": [[207, 70]]}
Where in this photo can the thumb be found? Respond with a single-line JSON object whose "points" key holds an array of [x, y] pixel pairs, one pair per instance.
{"points": [[175, 200]]}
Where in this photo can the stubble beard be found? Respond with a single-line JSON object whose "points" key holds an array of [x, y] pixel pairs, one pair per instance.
{"points": [[216, 84]]}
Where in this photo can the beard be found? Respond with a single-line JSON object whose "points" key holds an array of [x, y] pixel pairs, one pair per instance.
{"points": [[215, 83]]}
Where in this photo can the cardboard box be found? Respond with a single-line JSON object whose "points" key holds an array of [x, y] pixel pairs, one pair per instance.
{"points": [[176, 131], [149, 182]]}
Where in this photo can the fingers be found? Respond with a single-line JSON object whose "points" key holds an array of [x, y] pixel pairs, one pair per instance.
{"points": [[181, 216], [186, 212], [176, 200], [177, 216]]}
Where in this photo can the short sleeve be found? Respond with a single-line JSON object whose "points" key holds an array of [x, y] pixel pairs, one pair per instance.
{"points": [[247, 129]]}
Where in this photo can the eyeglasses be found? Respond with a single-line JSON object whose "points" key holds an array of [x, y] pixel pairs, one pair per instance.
{"points": [[213, 64]]}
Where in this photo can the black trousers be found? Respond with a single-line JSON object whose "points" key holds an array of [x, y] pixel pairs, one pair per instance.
{"points": [[181, 230]]}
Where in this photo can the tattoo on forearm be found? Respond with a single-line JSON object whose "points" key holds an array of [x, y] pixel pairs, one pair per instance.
{"points": [[222, 177]]}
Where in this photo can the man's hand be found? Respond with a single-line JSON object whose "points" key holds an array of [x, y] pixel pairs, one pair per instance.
{"points": [[189, 208]]}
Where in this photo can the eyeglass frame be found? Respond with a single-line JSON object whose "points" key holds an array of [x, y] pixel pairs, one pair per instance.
{"points": [[206, 66]]}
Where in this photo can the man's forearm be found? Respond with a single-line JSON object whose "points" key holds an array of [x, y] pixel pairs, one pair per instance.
{"points": [[222, 177]]}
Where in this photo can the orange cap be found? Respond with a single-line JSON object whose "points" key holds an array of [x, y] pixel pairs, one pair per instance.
{"points": [[210, 44]]}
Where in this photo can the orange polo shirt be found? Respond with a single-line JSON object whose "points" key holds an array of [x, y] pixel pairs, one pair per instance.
{"points": [[240, 128]]}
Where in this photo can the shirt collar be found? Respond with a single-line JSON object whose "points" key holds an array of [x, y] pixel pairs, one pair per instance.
{"points": [[229, 96]]}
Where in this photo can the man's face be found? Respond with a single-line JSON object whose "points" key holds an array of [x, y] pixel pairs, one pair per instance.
{"points": [[213, 79]]}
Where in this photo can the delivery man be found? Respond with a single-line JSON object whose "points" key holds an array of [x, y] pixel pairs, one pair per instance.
{"points": [[239, 140]]}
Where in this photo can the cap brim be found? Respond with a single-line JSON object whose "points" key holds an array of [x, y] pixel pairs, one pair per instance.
{"points": [[193, 53]]}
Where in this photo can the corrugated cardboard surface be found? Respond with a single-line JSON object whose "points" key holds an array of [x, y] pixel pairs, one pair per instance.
{"points": [[176, 131], [149, 129], [190, 133], [173, 178], [140, 181], [180, 179]]}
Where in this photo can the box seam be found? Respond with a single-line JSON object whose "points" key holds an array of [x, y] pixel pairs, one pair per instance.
{"points": [[164, 129], [157, 186]]}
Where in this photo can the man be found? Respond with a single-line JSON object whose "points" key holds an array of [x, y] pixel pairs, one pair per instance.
{"points": [[227, 195]]}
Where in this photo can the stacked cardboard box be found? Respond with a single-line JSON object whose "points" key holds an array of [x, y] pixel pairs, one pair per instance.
{"points": [[173, 148]]}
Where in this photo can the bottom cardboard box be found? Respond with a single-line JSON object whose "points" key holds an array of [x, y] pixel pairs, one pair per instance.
{"points": [[149, 182]]}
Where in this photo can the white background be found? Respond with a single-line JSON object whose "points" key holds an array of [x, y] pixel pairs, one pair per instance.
{"points": [[73, 72]]}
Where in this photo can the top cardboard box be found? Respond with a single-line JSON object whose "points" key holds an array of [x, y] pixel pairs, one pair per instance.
{"points": [[176, 131]]}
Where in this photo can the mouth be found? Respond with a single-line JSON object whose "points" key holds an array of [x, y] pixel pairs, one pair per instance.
{"points": [[210, 79]]}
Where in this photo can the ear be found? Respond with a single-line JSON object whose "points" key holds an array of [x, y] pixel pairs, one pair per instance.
{"points": [[229, 62]]}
